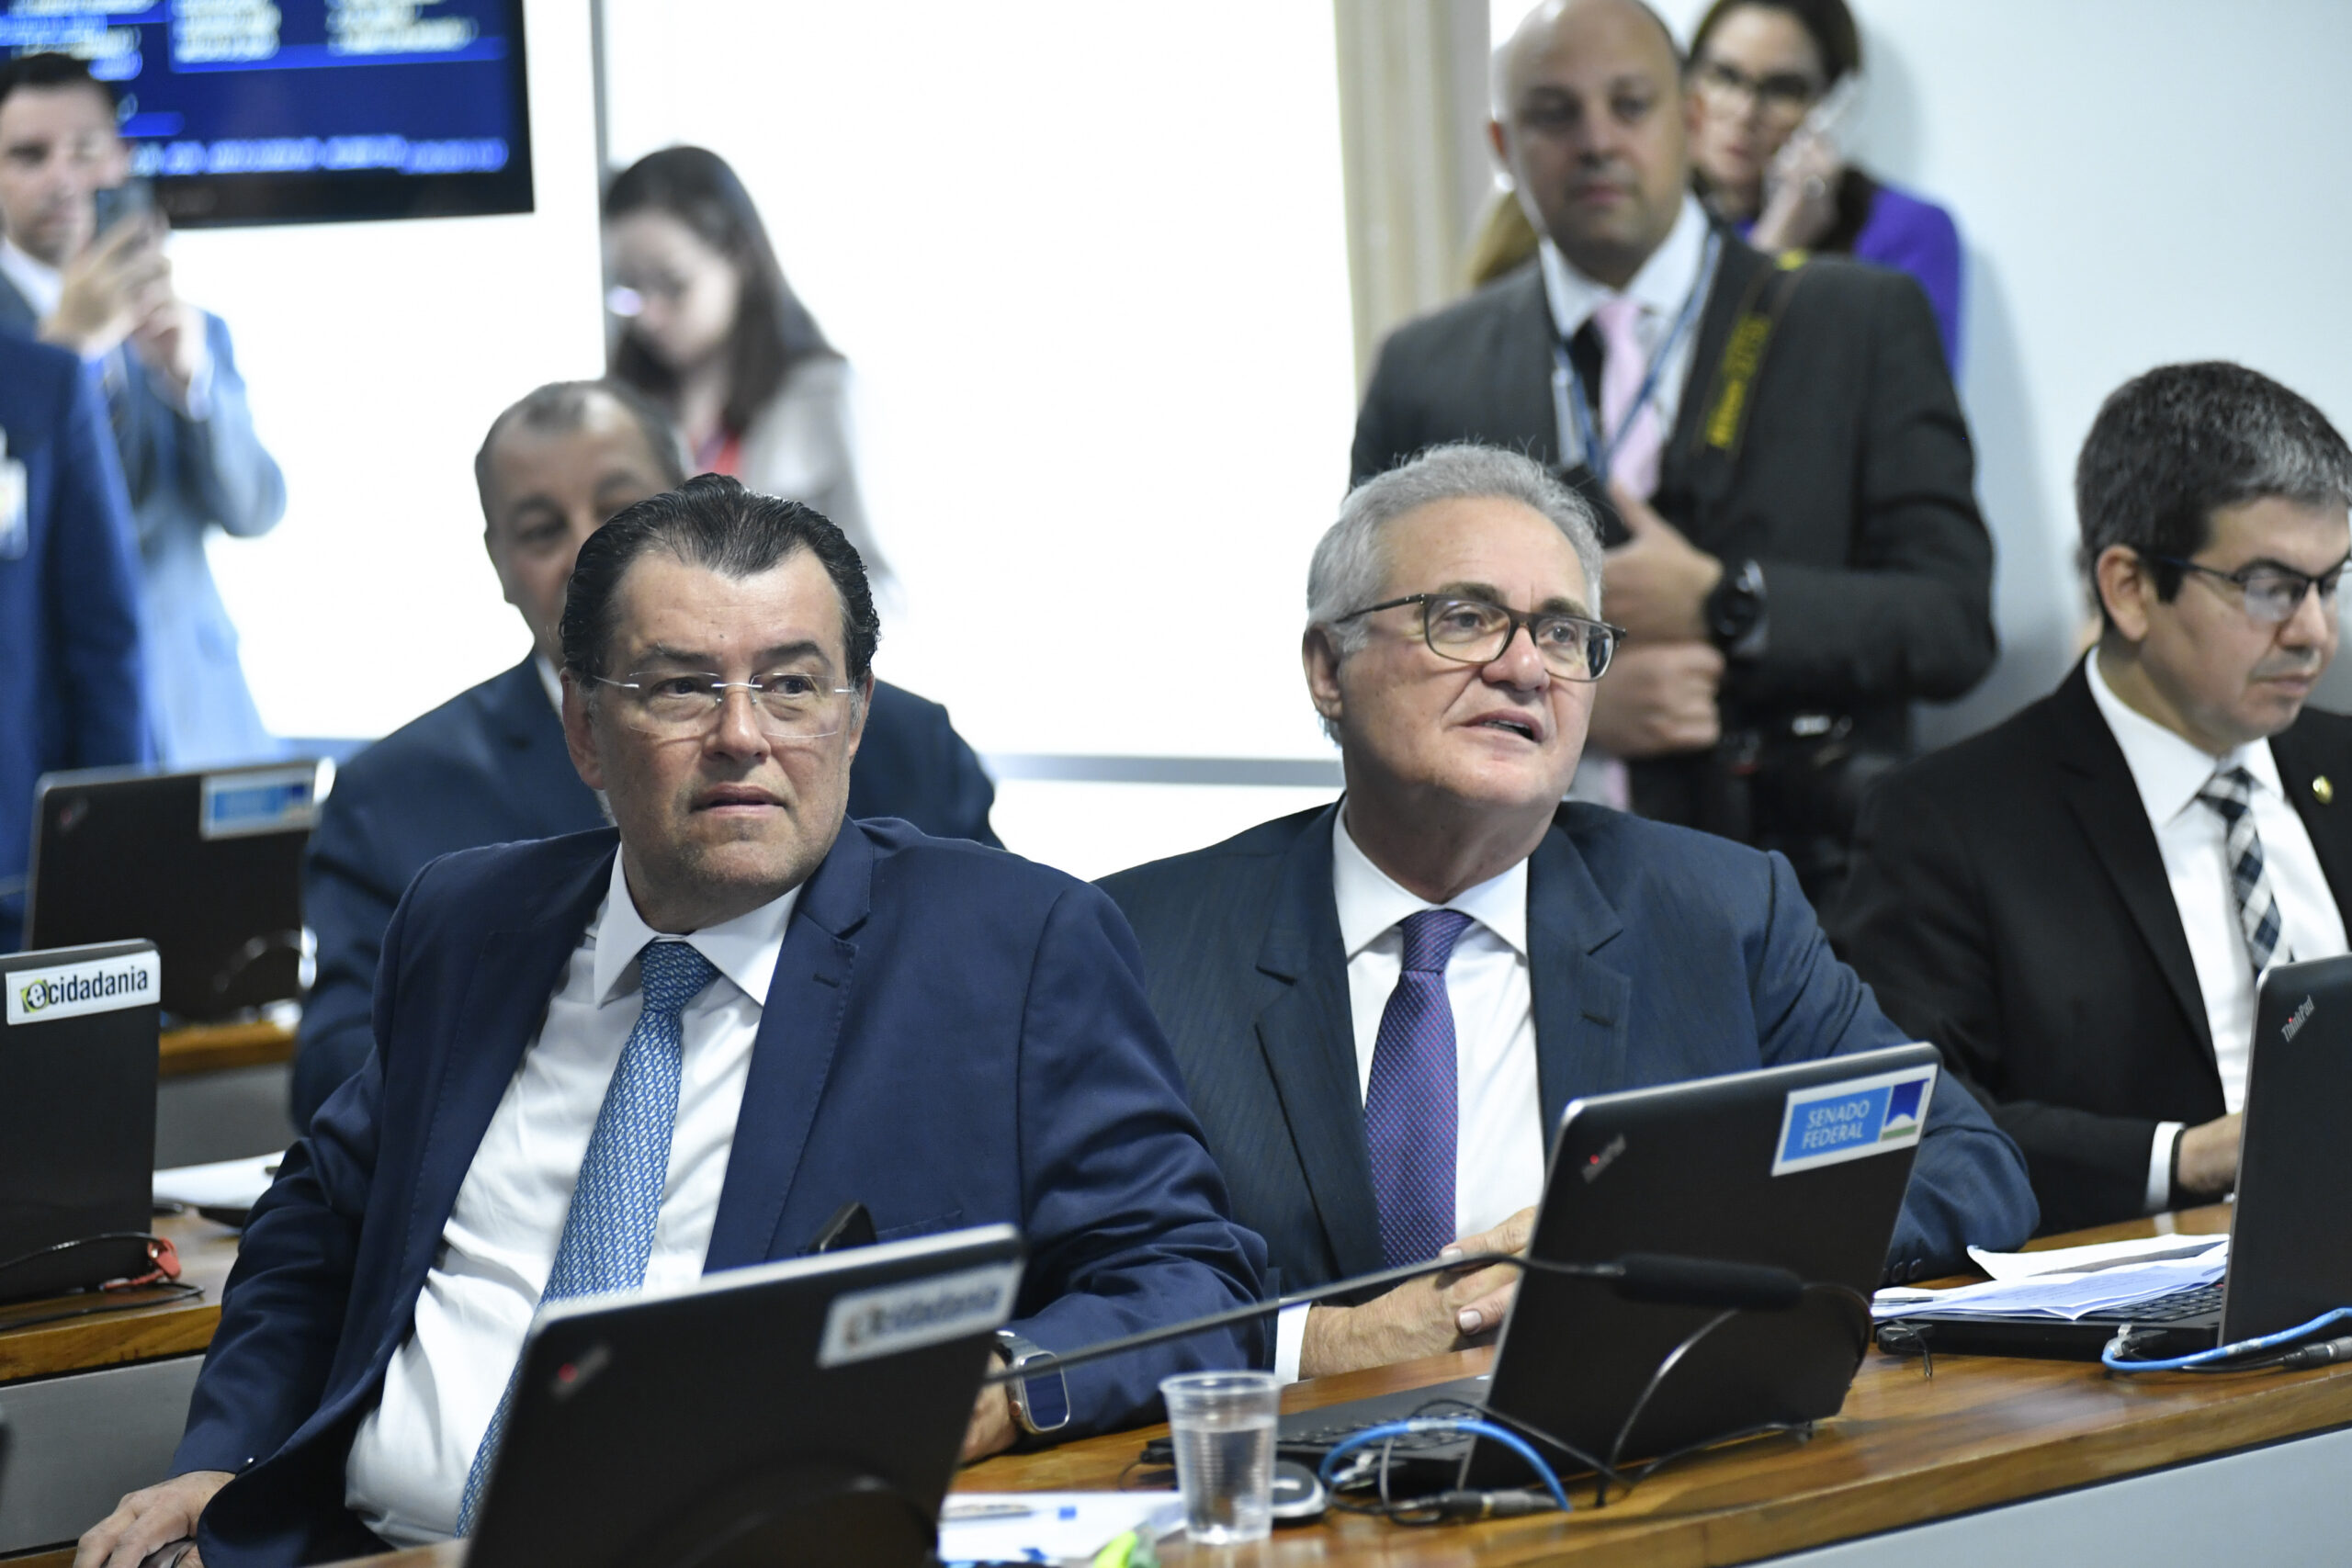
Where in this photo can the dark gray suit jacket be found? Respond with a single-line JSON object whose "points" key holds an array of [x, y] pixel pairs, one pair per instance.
{"points": [[1852, 484]]}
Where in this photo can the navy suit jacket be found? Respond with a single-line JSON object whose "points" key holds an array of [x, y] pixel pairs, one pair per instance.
{"points": [[75, 695], [488, 767], [185, 477], [955, 1036], [1656, 954]]}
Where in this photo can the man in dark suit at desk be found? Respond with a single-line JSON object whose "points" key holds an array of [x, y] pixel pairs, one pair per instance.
{"points": [[69, 599], [488, 767], [2078, 904], [1805, 557], [570, 1035], [1382, 1007]]}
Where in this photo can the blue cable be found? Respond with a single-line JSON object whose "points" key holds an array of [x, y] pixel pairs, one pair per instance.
{"points": [[1382, 1433], [2114, 1363]]}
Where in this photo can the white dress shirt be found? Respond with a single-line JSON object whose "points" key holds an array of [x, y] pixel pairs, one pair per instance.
{"points": [[1498, 1146], [2194, 843], [407, 1469], [1664, 286]]}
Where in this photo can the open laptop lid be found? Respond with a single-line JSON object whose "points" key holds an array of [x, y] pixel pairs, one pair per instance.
{"points": [[648, 1429], [1802, 1166], [208, 866], [2290, 1252]]}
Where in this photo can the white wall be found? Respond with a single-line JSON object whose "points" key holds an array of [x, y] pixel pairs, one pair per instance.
{"points": [[2137, 182], [376, 355]]}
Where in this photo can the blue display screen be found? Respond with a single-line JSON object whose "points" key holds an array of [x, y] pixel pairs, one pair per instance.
{"points": [[246, 111]]}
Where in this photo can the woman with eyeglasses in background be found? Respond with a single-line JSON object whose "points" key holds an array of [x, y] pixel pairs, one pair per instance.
{"points": [[709, 329], [1759, 71]]}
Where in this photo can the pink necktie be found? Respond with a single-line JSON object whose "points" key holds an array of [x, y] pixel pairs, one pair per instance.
{"points": [[1635, 462]]}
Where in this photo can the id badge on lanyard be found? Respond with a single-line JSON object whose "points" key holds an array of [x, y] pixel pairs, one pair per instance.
{"points": [[1572, 409], [16, 524]]}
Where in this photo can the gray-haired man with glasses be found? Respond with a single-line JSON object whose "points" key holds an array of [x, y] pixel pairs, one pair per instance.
{"points": [[2078, 906], [1382, 1007]]}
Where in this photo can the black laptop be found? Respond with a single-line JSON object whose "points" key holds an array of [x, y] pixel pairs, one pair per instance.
{"points": [[1799, 1167], [207, 865], [2291, 1253], [77, 1115], [806, 1411]]}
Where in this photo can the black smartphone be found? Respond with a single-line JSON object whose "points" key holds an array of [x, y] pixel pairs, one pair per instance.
{"points": [[133, 199]]}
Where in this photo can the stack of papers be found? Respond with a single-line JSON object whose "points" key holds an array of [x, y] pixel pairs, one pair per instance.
{"points": [[229, 1185], [1049, 1527], [2071, 1282]]}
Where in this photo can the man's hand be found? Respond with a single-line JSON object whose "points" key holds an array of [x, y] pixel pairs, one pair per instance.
{"points": [[170, 342], [149, 1520], [1657, 699], [2207, 1156], [109, 290], [990, 1429], [1420, 1318], [1657, 583]]}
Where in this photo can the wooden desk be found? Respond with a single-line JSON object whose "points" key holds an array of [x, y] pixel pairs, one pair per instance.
{"points": [[94, 1404], [218, 1047], [1907, 1450]]}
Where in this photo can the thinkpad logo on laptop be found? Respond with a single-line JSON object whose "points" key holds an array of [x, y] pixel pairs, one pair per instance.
{"points": [[1595, 1163], [2294, 1025]]}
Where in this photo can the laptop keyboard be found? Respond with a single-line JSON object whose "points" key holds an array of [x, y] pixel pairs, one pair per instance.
{"points": [[1406, 1442], [2197, 1301]]}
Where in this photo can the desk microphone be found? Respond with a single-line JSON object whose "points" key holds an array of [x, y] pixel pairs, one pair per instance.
{"points": [[1655, 1277]]}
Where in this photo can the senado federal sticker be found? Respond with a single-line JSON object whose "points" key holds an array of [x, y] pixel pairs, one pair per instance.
{"points": [[891, 1318], [97, 985], [1833, 1122]]}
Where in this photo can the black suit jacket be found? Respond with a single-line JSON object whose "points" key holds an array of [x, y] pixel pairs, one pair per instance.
{"points": [[488, 767], [2008, 902], [1852, 484], [1656, 956]]}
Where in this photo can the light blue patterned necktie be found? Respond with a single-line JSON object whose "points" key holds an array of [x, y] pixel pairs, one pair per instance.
{"points": [[616, 1204]]}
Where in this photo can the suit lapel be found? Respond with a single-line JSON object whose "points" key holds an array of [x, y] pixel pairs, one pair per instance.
{"points": [[16, 310], [800, 1027], [1307, 1033], [547, 787], [2098, 789], [505, 998], [2331, 832], [1580, 1003]]}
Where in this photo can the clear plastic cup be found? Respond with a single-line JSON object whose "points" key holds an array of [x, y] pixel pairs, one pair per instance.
{"points": [[1222, 1427]]}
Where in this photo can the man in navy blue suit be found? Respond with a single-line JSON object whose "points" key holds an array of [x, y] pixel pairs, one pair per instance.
{"points": [[1382, 1007], [571, 1034], [488, 766], [69, 598]]}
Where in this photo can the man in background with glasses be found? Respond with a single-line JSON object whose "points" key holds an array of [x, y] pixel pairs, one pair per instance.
{"points": [[1383, 1006], [2078, 906], [615, 1059]]}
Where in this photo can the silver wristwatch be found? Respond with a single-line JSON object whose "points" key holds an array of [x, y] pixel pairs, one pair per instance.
{"points": [[1040, 1403]]}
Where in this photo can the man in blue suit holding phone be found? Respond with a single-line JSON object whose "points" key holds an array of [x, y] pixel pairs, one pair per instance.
{"points": [[69, 599], [638, 1056], [1382, 1007]]}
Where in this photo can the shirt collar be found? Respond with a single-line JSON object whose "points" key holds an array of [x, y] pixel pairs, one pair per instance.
{"points": [[1371, 902], [2169, 770], [550, 681], [1662, 284], [41, 284], [744, 949]]}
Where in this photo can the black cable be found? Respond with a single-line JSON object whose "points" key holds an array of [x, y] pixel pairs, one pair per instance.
{"points": [[1667, 1363], [36, 1254], [180, 1293]]}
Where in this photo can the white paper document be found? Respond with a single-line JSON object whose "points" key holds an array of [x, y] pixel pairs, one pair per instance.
{"points": [[2065, 1296], [223, 1184], [2098, 1255], [1048, 1526]]}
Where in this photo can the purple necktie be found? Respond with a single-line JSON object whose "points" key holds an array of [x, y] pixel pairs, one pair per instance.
{"points": [[1409, 1118]]}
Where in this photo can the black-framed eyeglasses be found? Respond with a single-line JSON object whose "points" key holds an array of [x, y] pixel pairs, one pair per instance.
{"points": [[672, 704], [2270, 592], [1788, 93], [1476, 631]]}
